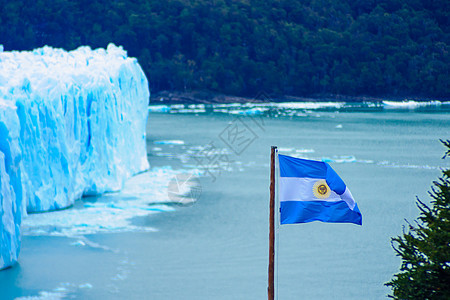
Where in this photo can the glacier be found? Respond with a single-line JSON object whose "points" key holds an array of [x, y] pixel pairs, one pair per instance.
{"points": [[72, 123]]}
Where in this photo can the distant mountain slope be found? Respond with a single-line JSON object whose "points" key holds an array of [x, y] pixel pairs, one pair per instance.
{"points": [[240, 47]]}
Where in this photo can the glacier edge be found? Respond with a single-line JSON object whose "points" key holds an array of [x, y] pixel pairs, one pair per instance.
{"points": [[71, 124]]}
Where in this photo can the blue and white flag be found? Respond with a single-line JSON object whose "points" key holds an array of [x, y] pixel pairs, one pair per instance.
{"points": [[312, 191]]}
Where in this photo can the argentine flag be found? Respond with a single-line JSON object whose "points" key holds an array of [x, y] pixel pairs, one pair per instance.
{"points": [[312, 191]]}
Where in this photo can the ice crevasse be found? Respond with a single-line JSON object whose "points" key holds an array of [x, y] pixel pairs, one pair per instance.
{"points": [[71, 124]]}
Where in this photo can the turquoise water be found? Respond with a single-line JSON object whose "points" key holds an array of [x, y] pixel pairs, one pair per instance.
{"points": [[217, 248]]}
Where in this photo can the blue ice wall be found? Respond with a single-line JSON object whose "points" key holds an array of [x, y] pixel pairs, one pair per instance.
{"points": [[71, 124], [11, 192]]}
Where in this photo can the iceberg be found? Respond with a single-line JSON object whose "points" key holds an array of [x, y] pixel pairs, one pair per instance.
{"points": [[71, 124]]}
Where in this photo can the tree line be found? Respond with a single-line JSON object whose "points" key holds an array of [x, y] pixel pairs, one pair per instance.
{"points": [[241, 47]]}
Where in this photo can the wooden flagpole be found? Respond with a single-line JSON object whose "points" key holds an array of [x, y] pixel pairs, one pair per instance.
{"points": [[271, 286]]}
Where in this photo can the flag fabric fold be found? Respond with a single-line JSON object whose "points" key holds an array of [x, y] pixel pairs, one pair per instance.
{"points": [[312, 191]]}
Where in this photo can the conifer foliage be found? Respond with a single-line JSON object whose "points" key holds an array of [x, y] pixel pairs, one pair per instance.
{"points": [[425, 247], [377, 48]]}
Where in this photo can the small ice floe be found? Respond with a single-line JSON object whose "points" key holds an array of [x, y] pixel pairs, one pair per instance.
{"points": [[44, 295], [60, 289], [191, 110], [340, 159], [196, 106], [309, 105], [346, 159], [220, 110], [286, 149], [256, 111], [338, 126], [388, 164], [169, 142], [159, 109], [227, 105], [304, 151], [58, 293], [63, 291], [409, 104], [141, 195], [78, 243]]}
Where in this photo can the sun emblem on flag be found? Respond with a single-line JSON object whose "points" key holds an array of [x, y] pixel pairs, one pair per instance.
{"points": [[321, 189]]}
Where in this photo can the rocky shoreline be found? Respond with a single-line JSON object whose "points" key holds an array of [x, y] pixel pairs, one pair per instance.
{"points": [[207, 97]]}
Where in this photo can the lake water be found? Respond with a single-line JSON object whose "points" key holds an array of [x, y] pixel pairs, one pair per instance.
{"points": [[137, 245]]}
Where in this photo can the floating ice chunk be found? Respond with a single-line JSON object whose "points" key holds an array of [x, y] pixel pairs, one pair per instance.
{"points": [[386, 163], [304, 151], [159, 109], [44, 295], [310, 105], [285, 149], [144, 194], [78, 243], [256, 111], [346, 159], [227, 105], [340, 159], [169, 142], [191, 110], [60, 292], [409, 104], [196, 106]]}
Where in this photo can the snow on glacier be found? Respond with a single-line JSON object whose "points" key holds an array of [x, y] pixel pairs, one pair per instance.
{"points": [[71, 124]]}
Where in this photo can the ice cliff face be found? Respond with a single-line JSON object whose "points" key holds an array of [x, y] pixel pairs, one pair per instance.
{"points": [[11, 193], [71, 124]]}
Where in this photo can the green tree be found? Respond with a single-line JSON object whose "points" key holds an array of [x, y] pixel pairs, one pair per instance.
{"points": [[425, 248], [353, 47]]}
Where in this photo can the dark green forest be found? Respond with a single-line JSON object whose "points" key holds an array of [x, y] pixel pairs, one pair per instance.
{"points": [[241, 47]]}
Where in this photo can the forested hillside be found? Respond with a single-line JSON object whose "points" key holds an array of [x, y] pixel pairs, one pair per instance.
{"points": [[240, 47]]}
